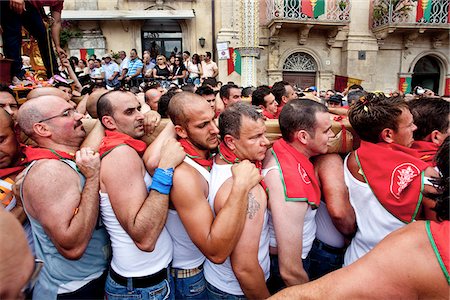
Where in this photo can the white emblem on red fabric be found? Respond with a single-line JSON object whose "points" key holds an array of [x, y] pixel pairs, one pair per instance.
{"points": [[303, 175], [401, 177]]}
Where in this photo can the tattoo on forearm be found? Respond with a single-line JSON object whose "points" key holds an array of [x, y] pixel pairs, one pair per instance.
{"points": [[252, 206]]}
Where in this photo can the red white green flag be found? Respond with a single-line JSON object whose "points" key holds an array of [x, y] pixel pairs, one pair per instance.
{"points": [[86, 53], [404, 84], [423, 10], [234, 62], [313, 8]]}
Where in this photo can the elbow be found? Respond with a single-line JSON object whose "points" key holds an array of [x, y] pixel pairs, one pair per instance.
{"points": [[72, 254], [146, 246], [216, 258]]}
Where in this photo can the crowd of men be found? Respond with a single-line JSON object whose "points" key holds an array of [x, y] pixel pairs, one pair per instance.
{"points": [[203, 206]]}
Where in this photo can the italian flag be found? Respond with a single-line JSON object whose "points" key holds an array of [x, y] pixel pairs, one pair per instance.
{"points": [[234, 62], [404, 85], [313, 8], [423, 10], [86, 53]]}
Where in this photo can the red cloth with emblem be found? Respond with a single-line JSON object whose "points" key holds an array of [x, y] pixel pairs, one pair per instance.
{"points": [[193, 154], [426, 150], [115, 138], [440, 235], [393, 172], [299, 178]]}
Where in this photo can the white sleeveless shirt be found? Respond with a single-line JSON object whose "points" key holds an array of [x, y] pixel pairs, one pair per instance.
{"points": [[185, 254], [326, 231], [127, 259], [373, 220], [309, 224], [222, 276]]}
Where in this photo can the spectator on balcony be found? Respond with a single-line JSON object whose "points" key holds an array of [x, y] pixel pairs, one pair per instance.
{"points": [[123, 67], [111, 71], [149, 64], [134, 74], [209, 67]]}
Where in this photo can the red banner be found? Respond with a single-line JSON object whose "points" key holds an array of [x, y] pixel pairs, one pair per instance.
{"points": [[447, 87]]}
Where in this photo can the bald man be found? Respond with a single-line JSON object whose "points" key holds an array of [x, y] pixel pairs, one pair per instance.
{"points": [[16, 260], [63, 214], [152, 97], [49, 90]]}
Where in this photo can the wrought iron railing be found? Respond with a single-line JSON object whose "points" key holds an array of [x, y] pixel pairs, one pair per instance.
{"points": [[388, 12], [335, 10]]}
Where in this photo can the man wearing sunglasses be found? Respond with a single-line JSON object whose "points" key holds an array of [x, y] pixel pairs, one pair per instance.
{"points": [[60, 197]]}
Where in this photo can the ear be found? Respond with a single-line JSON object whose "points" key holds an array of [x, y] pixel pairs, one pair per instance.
{"points": [[229, 141], [109, 122], [284, 99], [437, 137], [387, 135], [302, 136], [262, 106], [41, 129], [181, 132]]}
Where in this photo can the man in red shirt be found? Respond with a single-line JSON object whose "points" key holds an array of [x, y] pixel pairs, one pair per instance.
{"points": [[30, 15]]}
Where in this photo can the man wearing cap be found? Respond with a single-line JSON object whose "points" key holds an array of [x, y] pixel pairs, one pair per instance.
{"points": [[334, 101], [111, 70]]}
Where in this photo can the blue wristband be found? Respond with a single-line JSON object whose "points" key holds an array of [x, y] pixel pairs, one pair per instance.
{"points": [[162, 180]]}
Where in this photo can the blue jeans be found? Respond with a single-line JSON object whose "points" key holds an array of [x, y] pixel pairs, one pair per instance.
{"points": [[31, 20], [324, 259], [215, 293], [193, 287], [160, 291]]}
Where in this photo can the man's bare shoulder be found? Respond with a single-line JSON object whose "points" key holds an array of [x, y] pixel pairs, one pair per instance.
{"points": [[51, 170], [188, 180]]}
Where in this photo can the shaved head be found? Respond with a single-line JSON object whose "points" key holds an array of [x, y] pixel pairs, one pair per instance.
{"points": [[46, 91], [16, 261], [91, 104], [181, 106], [34, 110]]}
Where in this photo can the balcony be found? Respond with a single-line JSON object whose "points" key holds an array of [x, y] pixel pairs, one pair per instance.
{"points": [[290, 13], [405, 16]]}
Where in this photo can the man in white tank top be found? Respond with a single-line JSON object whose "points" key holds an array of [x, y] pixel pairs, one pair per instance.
{"points": [[245, 272], [134, 205], [195, 231], [294, 192], [384, 176]]}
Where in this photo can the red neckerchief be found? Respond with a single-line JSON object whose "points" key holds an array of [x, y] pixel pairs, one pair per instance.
{"points": [[440, 238], [229, 157], [268, 114], [426, 150], [393, 172], [299, 178], [8, 171], [193, 154], [113, 139], [36, 153]]}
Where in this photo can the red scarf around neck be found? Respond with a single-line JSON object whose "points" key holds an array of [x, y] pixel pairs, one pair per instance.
{"points": [[36, 153], [192, 153], [438, 234], [393, 172], [268, 115], [5, 172], [299, 179], [228, 156], [426, 150], [115, 138]]}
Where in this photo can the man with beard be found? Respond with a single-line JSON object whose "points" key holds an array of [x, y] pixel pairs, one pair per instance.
{"points": [[60, 197], [134, 205], [196, 231], [245, 271]]}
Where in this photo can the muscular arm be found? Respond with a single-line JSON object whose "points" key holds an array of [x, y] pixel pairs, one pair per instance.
{"points": [[215, 237], [244, 258], [288, 219], [411, 262], [330, 171], [142, 215], [56, 32], [67, 215]]}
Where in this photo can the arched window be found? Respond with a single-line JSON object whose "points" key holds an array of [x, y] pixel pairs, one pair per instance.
{"points": [[300, 62], [427, 73]]}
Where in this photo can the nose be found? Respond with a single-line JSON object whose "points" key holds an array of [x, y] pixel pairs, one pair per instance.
{"points": [[78, 116], [8, 109], [414, 127], [265, 141], [214, 128]]}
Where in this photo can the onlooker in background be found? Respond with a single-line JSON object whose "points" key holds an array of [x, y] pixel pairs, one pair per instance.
{"points": [[246, 93], [18, 13], [179, 72], [230, 93], [195, 70], [135, 66], [209, 67], [161, 71], [186, 58], [283, 92], [97, 73], [148, 63], [123, 67], [334, 101], [329, 93], [111, 70]]}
